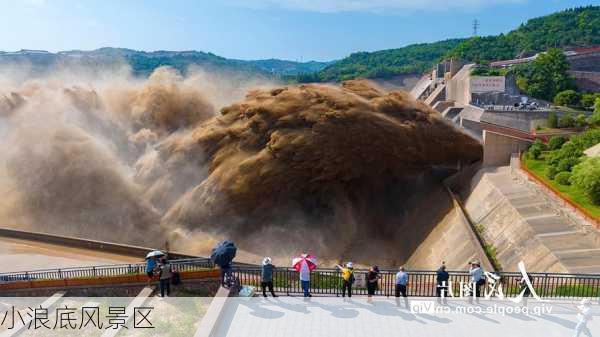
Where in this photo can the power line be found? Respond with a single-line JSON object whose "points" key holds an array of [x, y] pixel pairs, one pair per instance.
{"points": [[475, 27]]}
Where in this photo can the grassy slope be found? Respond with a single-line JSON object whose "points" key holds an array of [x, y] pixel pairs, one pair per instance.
{"points": [[569, 192]]}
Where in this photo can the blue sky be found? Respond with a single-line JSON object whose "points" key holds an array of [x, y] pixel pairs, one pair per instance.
{"points": [[256, 29]]}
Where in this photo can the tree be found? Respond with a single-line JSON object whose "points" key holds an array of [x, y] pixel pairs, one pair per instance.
{"points": [[546, 76], [565, 158], [580, 121], [586, 176], [569, 98], [535, 150], [556, 142], [566, 121], [597, 105], [588, 100], [594, 119]]}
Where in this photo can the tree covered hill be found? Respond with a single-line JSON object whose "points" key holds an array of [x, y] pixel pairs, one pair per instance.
{"points": [[143, 63], [415, 58], [568, 28]]}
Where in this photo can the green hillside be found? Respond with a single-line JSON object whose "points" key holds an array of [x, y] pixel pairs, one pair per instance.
{"points": [[415, 58], [569, 28], [143, 63], [572, 27]]}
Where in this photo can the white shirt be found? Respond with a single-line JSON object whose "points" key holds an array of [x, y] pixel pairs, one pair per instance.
{"points": [[304, 271]]}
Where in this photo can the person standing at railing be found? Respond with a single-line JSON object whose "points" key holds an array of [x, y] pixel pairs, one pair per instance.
{"points": [[477, 278], [442, 278], [347, 278], [267, 276], [150, 268], [305, 278], [372, 281], [303, 264], [165, 273], [401, 284]]}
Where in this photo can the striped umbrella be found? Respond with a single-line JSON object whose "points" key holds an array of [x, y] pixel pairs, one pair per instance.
{"points": [[310, 260]]}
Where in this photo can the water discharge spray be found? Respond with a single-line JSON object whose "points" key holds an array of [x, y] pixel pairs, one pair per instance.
{"points": [[339, 170]]}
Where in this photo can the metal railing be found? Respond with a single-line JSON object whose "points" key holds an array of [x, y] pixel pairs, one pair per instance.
{"points": [[326, 281], [101, 271], [423, 283]]}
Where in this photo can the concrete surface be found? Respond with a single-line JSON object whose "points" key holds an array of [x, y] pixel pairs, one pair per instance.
{"points": [[420, 87], [383, 317], [524, 224], [498, 148], [453, 241]]}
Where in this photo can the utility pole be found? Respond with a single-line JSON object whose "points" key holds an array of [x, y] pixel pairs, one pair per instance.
{"points": [[475, 27]]}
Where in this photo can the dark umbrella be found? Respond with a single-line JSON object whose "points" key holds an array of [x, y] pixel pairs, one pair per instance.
{"points": [[223, 253]]}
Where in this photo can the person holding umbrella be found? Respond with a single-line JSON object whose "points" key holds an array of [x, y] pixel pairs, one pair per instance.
{"points": [[151, 263], [222, 255], [304, 264]]}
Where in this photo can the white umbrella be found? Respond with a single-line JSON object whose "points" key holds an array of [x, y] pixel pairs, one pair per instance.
{"points": [[154, 253]]}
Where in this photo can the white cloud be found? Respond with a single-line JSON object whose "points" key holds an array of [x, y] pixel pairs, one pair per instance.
{"points": [[331, 6]]}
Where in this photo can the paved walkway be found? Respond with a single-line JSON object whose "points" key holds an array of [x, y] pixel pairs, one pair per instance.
{"points": [[290, 317]]}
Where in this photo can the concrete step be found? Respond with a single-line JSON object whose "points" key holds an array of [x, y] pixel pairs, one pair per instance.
{"points": [[551, 225], [577, 241]]}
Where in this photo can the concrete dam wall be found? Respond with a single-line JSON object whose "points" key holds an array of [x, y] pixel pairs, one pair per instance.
{"points": [[524, 225], [452, 241]]}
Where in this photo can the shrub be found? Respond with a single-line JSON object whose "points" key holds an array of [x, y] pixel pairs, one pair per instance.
{"points": [[588, 100], [566, 121], [597, 105], [535, 150], [563, 178], [567, 98], [551, 172], [552, 120], [580, 121], [565, 158], [586, 140], [586, 176], [594, 119], [556, 142]]}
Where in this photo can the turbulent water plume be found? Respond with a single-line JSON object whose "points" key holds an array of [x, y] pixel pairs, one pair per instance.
{"points": [[315, 166], [338, 170]]}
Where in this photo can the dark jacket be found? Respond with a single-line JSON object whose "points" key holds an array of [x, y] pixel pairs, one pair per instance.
{"points": [[267, 272], [442, 276]]}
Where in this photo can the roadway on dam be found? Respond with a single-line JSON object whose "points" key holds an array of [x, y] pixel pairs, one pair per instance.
{"points": [[23, 255]]}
